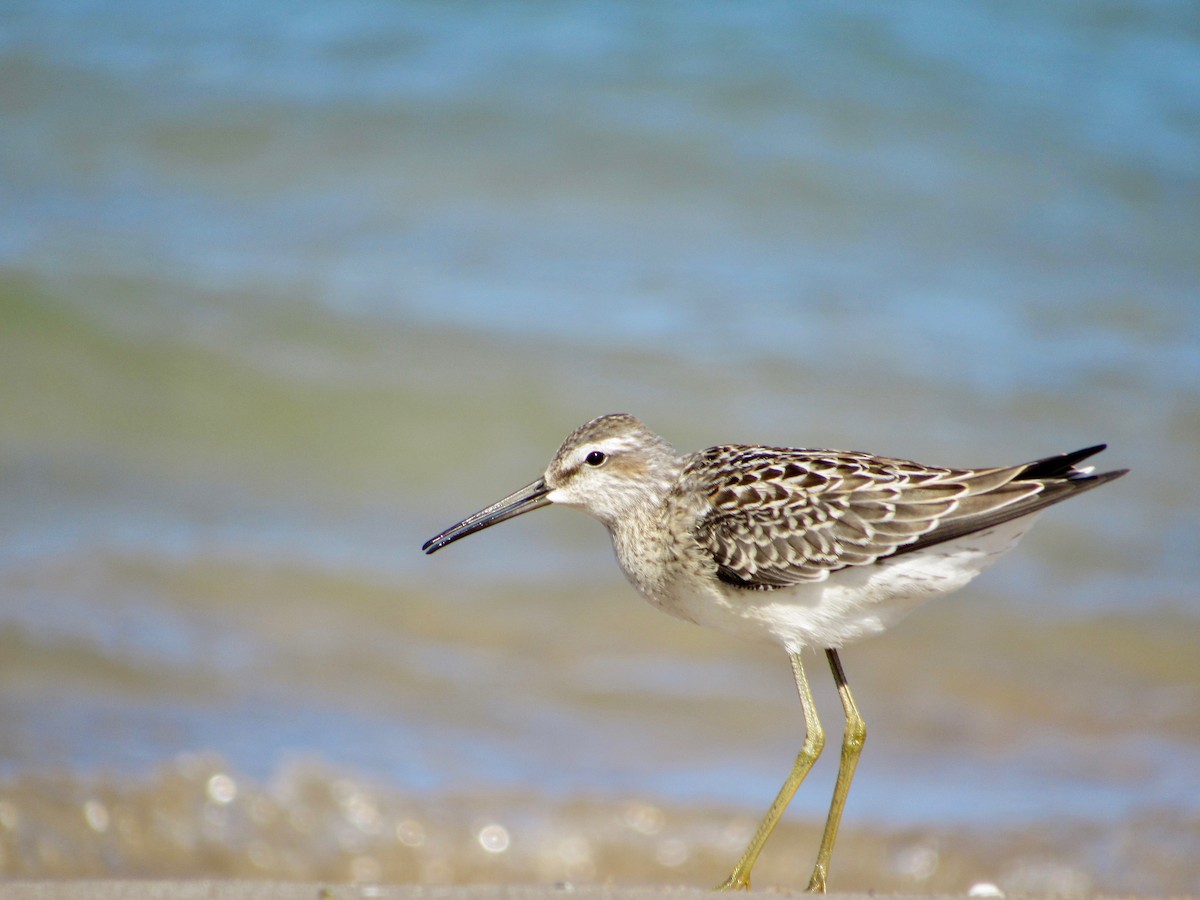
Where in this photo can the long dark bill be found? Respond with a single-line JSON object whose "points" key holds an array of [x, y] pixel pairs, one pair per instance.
{"points": [[527, 499]]}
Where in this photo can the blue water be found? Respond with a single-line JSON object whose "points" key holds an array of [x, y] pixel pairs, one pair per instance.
{"points": [[287, 288]]}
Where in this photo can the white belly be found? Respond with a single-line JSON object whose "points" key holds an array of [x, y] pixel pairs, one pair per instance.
{"points": [[852, 603]]}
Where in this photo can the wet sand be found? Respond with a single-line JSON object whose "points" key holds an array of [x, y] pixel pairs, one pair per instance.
{"points": [[244, 890], [197, 828]]}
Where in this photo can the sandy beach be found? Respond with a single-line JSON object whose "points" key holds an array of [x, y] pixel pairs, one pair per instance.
{"points": [[246, 890]]}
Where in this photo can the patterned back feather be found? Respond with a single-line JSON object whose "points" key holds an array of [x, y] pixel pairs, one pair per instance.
{"points": [[779, 517]]}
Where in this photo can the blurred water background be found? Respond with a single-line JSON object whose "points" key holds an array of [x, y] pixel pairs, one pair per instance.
{"points": [[285, 288]]}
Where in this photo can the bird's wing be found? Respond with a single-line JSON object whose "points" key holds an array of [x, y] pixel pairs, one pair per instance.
{"points": [[778, 517]]}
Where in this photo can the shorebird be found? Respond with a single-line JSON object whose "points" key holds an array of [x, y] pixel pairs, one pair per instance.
{"points": [[799, 548]]}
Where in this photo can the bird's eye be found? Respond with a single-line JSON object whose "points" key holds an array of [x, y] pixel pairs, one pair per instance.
{"points": [[596, 458]]}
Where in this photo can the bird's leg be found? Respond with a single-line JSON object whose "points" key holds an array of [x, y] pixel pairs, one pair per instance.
{"points": [[852, 743], [814, 740]]}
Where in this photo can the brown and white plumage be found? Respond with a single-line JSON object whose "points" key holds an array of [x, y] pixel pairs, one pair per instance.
{"points": [[781, 517], [803, 548]]}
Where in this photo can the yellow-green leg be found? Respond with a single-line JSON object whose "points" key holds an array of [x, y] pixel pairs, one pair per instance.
{"points": [[814, 740], [852, 744]]}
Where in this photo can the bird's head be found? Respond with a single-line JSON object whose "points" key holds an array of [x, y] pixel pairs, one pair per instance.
{"points": [[607, 468]]}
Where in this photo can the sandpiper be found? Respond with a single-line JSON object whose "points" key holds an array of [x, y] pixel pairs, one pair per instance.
{"points": [[800, 548]]}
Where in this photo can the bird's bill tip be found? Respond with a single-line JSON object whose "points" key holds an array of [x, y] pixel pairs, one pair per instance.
{"points": [[531, 497]]}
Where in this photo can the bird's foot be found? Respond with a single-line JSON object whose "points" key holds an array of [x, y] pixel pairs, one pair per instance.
{"points": [[816, 884], [737, 881]]}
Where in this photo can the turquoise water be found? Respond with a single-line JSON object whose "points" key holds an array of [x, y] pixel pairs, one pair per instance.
{"points": [[284, 290]]}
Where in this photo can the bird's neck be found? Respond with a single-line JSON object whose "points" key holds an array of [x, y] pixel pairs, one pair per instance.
{"points": [[643, 495]]}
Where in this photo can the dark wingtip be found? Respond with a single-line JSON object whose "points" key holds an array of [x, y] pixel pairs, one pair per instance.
{"points": [[1061, 466]]}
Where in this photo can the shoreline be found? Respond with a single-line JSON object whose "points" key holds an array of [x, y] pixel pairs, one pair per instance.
{"points": [[223, 889], [230, 889]]}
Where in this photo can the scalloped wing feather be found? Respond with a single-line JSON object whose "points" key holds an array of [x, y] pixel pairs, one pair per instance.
{"points": [[779, 517]]}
